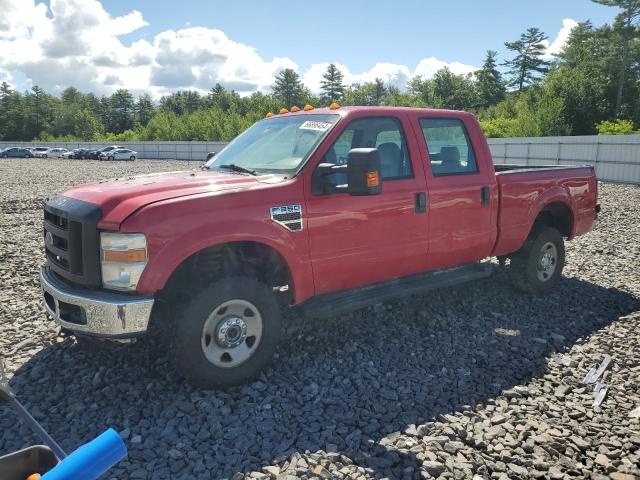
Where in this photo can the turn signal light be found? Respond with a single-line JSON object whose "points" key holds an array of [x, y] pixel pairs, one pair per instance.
{"points": [[295, 108], [308, 107], [125, 256], [334, 106], [270, 114], [373, 179], [283, 110]]}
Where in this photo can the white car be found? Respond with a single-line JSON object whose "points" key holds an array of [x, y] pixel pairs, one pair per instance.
{"points": [[40, 151], [67, 154], [49, 152], [119, 154]]}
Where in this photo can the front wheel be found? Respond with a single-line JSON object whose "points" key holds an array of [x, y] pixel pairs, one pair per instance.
{"points": [[110, 158], [537, 267], [132, 158], [227, 334]]}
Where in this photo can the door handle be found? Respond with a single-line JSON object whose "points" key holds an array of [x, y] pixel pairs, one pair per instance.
{"points": [[421, 202], [485, 195]]}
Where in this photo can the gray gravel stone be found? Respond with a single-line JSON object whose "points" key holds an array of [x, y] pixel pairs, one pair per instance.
{"points": [[478, 380]]}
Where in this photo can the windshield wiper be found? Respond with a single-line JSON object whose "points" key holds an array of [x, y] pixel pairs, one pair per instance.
{"points": [[237, 168]]}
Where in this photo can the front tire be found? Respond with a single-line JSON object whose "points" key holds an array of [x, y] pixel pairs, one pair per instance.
{"points": [[132, 158], [227, 334], [110, 158], [537, 266]]}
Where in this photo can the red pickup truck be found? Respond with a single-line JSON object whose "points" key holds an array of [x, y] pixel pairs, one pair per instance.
{"points": [[324, 210]]}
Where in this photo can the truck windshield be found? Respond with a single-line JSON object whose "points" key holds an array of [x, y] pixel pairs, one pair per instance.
{"points": [[275, 145]]}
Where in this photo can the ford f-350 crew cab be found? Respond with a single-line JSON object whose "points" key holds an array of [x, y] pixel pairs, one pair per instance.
{"points": [[327, 210]]}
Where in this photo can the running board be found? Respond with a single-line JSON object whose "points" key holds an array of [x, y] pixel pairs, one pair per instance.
{"points": [[331, 304]]}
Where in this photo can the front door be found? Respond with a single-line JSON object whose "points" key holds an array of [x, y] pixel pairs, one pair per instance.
{"points": [[359, 240]]}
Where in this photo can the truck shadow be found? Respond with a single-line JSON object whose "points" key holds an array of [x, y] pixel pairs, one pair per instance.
{"points": [[339, 385]]}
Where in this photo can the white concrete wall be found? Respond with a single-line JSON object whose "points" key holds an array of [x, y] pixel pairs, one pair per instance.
{"points": [[616, 158]]}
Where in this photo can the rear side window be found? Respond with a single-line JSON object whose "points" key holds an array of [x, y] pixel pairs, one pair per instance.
{"points": [[450, 150]]}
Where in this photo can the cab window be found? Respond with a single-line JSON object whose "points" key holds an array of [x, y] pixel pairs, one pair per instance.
{"points": [[450, 151], [383, 133]]}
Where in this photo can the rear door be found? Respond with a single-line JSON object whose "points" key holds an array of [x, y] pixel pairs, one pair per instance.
{"points": [[359, 240], [462, 192]]}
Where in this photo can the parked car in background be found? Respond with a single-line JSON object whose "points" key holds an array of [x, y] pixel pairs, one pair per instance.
{"points": [[16, 152], [108, 149], [40, 151], [55, 152], [210, 155], [82, 153], [119, 154], [68, 154]]}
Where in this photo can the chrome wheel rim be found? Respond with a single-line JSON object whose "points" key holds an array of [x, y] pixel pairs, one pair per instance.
{"points": [[232, 333], [547, 261]]}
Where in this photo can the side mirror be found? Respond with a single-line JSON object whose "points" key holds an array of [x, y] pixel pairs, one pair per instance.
{"points": [[363, 172]]}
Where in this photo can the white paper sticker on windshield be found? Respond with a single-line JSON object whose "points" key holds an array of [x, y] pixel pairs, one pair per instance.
{"points": [[314, 125]]}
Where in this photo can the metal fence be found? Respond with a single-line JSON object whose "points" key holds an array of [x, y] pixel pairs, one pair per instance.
{"points": [[616, 157]]}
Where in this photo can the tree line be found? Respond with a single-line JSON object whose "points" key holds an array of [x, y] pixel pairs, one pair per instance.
{"points": [[591, 86]]}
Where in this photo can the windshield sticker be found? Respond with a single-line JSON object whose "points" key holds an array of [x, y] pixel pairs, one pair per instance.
{"points": [[313, 125]]}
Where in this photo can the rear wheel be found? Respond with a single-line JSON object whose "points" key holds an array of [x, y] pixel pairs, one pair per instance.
{"points": [[132, 158], [227, 334], [537, 267], [44, 156]]}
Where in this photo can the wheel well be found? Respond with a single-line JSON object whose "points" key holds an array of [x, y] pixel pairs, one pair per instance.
{"points": [[252, 259], [557, 215]]}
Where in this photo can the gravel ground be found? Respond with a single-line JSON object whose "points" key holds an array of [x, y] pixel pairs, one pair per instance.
{"points": [[477, 380]]}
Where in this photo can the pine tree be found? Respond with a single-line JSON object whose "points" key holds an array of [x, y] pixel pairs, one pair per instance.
{"points": [[379, 91], [288, 87], [144, 109], [490, 85], [331, 85], [528, 62]]}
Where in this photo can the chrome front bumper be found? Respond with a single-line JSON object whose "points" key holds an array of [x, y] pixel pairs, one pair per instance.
{"points": [[98, 313]]}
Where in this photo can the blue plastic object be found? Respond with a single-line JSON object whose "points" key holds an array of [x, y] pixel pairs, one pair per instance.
{"points": [[90, 460]]}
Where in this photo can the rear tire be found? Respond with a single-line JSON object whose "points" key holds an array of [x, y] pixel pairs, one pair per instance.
{"points": [[132, 158], [537, 266], [227, 334]]}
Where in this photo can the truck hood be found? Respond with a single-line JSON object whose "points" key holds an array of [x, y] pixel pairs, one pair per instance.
{"points": [[120, 197]]}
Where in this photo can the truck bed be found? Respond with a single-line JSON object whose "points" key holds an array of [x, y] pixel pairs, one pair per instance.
{"points": [[523, 190]]}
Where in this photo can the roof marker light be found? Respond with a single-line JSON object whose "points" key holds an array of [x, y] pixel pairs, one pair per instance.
{"points": [[334, 106], [283, 110], [270, 114], [308, 108], [295, 108]]}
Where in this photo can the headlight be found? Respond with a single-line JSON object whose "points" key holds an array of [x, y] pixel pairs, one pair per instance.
{"points": [[123, 257]]}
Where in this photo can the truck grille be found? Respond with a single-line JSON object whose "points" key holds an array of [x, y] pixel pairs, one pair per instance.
{"points": [[71, 240]]}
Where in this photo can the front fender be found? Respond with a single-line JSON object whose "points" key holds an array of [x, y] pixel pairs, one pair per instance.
{"points": [[172, 240]]}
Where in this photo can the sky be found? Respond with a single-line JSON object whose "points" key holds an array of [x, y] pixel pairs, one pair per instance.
{"points": [[159, 46]]}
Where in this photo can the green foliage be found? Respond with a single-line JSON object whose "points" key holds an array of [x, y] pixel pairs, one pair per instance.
{"points": [[616, 127]]}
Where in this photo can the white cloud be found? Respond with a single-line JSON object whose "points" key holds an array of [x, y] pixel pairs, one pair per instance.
{"points": [[76, 43], [391, 73], [558, 44]]}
